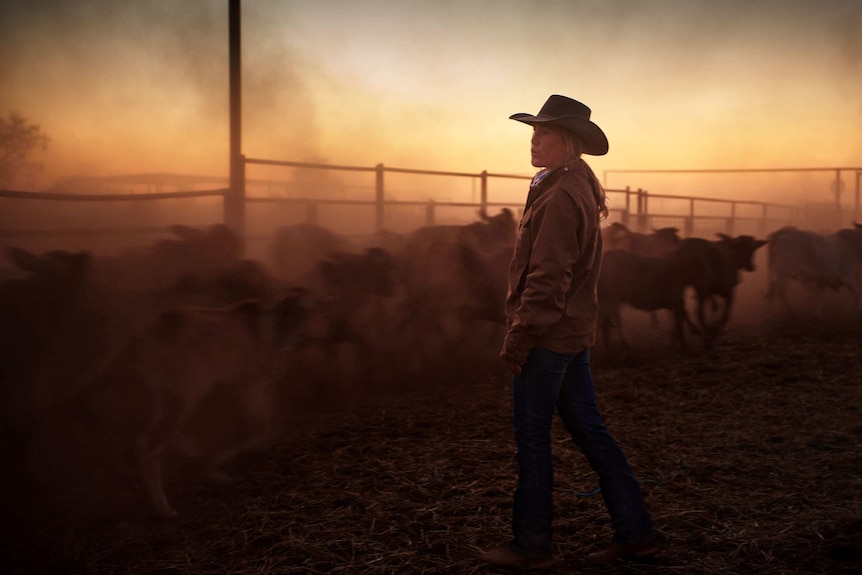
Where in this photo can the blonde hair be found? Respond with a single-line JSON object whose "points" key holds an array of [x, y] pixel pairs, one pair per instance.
{"points": [[574, 149]]}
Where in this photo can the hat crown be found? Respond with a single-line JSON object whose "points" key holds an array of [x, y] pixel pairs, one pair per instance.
{"points": [[564, 107], [564, 112]]}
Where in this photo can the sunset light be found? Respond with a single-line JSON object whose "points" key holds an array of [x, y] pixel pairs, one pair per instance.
{"points": [[142, 87]]}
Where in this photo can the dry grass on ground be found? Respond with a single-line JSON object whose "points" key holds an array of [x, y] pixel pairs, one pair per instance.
{"points": [[750, 457]]}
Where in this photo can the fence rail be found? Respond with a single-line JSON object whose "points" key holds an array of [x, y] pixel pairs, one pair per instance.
{"points": [[634, 208]]}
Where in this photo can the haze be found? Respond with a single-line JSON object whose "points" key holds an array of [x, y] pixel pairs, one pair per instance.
{"points": [[131, 87]]}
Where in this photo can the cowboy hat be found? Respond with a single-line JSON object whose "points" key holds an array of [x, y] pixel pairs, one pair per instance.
{"points": [[573, 116]]}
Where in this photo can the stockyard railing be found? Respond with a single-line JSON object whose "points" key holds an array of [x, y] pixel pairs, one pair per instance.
{"points": [[703, 213], [380, 200], [637, 209]]}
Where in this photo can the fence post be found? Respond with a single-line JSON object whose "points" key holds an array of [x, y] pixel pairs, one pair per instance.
{"points": [[689, 221], [379, 211], [838, 186], [731, 222], [234, 199], [429, 213], [483, 197], [624, 217], [642, 210]]}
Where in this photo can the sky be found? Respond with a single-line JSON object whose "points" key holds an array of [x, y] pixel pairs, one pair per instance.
{"points": [[142, 86]]}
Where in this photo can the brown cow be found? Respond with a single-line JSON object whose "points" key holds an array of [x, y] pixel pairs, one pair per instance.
{"points": [[433, 256], [712, 269], [295, 250], [644, 283], [38, 317], [617, 236], [165, 373], [159, 265], [453, 276], [356, 289]]}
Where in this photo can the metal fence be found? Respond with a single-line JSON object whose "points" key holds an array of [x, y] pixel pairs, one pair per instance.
{"points": [[697, 215], [638, 209]]}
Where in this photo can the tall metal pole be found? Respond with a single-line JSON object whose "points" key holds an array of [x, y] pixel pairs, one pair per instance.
{"points": [[234, 204]]}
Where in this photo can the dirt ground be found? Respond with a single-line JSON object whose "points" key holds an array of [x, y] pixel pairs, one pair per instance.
{"points": [[750, 457]]}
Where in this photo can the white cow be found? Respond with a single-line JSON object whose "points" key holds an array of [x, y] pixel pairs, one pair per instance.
{"points": [[820, 260]]}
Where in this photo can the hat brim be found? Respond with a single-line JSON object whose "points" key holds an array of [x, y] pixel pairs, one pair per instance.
{"points": [[594, 139]]}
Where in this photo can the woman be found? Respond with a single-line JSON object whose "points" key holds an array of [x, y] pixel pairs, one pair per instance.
{"points": [[551, 312]]}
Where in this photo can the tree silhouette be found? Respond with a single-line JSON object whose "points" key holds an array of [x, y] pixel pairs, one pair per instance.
{"points": [[18, 139]]}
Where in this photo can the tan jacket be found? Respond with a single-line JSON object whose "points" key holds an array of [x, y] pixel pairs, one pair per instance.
{"points": [[551, 302]]}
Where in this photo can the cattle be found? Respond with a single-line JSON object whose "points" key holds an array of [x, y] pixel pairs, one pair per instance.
{"points": [[295, 250], [430, 251], [162, 263], [453, 276], [485, 282], [86, 363], [644, 283], [458, 312], [44, 329], [354, 287], [661, 241], [487, 233], [819, 260], [353, 276], [155, 384], [43, 317], [237, 281], [712, 269]]}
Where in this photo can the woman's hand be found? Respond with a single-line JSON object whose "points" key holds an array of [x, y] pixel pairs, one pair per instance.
{"points": [[513, 366]]}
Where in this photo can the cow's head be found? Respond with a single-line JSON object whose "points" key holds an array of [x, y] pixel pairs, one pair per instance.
{"points": [[57, 267], [617, 236], [742, 249], [851, 238], [669, 235], [502, 226]]}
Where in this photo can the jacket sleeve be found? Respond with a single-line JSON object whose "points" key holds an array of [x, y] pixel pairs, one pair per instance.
{"points": [[555, 229]]}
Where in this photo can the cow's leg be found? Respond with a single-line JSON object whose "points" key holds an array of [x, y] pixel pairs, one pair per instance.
{"points": [[363, 355], [853, 286], [615, 320], [417, 330], [781, 292], [604, 331], [702, 301], [772, 288], [712, 328], [680, 319], [150, 462], [778, 290], [608, 319], [695, 329], [150, 449], [729, 299], [703, 324]]}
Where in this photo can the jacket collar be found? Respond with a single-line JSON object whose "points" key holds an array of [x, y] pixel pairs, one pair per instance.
{"points": [[545, 179]]}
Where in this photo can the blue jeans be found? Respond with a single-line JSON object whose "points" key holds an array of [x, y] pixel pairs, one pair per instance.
{"points": [[550, 381]]}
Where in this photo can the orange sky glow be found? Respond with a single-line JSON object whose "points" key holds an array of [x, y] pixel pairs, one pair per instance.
{"points": [[142, 86]]}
